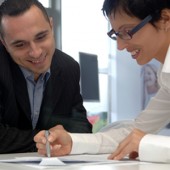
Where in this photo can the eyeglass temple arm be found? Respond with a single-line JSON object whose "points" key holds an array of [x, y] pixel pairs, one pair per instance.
{"points": [[145, 21]]}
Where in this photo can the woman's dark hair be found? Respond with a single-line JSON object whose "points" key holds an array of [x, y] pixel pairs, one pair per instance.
{"points": [[18, 7], [137, 8]]}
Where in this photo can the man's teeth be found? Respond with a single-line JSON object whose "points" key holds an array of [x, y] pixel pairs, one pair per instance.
{"points": [[39, 60], [135, 52]]}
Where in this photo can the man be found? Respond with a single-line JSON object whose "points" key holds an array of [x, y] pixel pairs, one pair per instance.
{"points": [[142, 27], [39, 85]]}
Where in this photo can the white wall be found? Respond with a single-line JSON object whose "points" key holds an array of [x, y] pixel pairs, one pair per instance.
{"points": [[126, 95], [127, 83], [84, 29], [128, 86]]}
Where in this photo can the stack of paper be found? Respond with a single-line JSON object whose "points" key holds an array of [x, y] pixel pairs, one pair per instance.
{"points": [[45, 162]]}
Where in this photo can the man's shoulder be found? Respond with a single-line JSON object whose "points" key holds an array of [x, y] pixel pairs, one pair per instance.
{"points": [[4, 56], [63, 59], [3, 51]]}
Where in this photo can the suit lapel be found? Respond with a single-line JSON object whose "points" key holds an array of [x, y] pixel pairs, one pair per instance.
{"points": [[52, 93], [20, 88]]}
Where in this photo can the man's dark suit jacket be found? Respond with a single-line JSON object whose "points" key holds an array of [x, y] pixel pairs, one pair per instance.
{"points": [[62, 103]]}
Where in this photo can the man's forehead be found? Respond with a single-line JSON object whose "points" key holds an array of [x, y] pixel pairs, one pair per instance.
{"points": [[29, 19], [33, 12]]}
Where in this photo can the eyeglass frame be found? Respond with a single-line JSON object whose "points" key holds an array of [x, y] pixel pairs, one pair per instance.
{"points": [[133, 31]]}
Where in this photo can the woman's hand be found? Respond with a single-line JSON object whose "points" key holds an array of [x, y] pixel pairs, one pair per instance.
{"points": [[130, 145]]}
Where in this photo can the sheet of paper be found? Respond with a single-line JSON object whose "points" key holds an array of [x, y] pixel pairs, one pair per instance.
{"points": [[85, 157], [59, 160], [42, 162], [72, 165]]}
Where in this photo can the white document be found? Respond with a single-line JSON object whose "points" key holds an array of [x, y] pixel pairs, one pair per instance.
{"points": [[86, 158], [42, 162]]}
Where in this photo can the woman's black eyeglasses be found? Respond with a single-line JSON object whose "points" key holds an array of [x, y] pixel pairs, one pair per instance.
{"points": [[127, 35]]}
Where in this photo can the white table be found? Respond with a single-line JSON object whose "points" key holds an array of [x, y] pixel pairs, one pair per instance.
{"points": [[135, 166]]}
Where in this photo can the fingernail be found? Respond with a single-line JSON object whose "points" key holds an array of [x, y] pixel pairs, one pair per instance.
{"points": [[109, 157], [43, 141], [50, 138], [116, 158]]}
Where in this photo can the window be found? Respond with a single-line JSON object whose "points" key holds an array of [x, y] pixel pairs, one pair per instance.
{"points": [[84, 29], [46, 3]]}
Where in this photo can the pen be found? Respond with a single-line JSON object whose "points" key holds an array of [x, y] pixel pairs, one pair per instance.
{"points": [[47, 133]]}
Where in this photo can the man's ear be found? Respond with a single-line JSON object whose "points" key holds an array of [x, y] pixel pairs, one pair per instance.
{"points": [[3, 42], [51, 24], [165, 18]]}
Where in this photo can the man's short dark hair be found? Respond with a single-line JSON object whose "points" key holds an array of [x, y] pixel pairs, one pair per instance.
{"points": [[137, 8], [18, 7]]}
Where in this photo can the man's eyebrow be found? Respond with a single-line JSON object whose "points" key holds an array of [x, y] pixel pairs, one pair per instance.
{"points": [[17, 41], [42, 32], [20, 41]]}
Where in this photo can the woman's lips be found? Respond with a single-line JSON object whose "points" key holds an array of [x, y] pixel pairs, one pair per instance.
{"points": [[135, 53]]}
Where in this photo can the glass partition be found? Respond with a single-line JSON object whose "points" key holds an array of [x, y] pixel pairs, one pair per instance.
{"points": [[84, 29], [46, 3]]}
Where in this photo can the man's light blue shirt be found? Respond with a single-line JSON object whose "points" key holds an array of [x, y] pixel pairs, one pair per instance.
{"points": [[35, 92]]}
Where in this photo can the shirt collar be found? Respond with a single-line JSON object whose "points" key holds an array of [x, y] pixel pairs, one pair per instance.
{"points": [[30, 74], [166, 65]]}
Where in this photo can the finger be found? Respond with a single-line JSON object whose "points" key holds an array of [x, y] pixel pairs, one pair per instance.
{"points": [[119, 149], [126, 150], [56, 152], [42, 152], [40, 137], [133, 155], [42, 149], [53, 135], [40, 146], [56, 148], [60, 137], [59, 150]]}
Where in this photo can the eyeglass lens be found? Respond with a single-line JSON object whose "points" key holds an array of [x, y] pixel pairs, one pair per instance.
{"points": [[122, 34]]}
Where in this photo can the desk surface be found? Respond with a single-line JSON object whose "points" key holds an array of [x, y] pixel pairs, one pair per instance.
{"points": [[135, 166]]}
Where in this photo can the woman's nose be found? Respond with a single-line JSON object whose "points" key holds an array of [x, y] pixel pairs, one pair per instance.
{"points": [[121, 44]]}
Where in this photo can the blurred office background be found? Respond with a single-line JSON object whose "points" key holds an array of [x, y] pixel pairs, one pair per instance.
{"points": [[80, 28]]}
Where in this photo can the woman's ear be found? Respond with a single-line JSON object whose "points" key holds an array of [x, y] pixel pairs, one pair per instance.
{"points": [[165, 19]]}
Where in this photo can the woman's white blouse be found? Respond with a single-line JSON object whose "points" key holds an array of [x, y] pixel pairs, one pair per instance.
{"points": [[153, 119]]}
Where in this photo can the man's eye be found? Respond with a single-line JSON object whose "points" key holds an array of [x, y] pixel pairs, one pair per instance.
{"points": [[20, 45], [41, 37]]}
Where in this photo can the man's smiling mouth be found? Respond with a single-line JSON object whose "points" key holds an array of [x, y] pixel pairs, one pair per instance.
{"points": [[38, 61]]}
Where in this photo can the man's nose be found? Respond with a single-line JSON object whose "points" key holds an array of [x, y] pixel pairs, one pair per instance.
{"points": [[35, 50], [121, 44]]}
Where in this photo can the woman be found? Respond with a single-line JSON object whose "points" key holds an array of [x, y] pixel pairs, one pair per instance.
{"points": [[142, 27]]}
